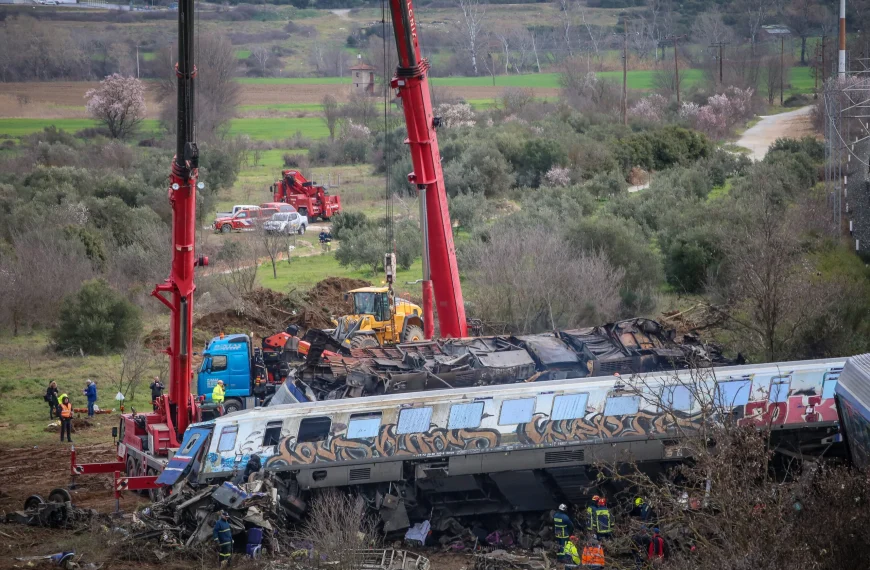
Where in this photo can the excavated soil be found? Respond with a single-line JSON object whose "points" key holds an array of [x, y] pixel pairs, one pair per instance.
{"points": [[264, 311]]}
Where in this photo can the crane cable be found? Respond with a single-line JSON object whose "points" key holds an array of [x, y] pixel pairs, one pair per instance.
{"points": [[388, 196]]}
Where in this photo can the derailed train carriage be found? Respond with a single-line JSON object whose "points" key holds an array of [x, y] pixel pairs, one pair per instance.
{"points": [[506, 448], [625, 347]]}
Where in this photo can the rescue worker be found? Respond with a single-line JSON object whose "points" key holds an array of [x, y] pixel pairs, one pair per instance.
{"points": [[91, 393], [563, 527], [590, 510], [292, 344], [593, 555], [641, 509], [640, 546], [603, 522], [51, 398], [223, 534], [254, 465], [569, 554], [325, 240], [217, 395], [156, 391], [66, 417], [656, 548]]}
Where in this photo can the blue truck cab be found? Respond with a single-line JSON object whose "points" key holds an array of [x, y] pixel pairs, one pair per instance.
{"points": [[228, 358]]}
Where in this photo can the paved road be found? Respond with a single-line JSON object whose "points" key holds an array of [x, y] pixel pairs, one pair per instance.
{"points": [[793, 124]]}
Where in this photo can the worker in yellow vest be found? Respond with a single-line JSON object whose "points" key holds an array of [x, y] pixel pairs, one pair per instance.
{"points": [[570, 554], [66, 417], [217, 395]]}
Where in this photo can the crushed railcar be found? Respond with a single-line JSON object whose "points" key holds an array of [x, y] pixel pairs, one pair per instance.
{"points": [[505, 448], [626, 347]]}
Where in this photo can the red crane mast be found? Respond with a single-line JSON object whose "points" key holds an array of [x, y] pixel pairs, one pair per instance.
{"points": [[439, 253]]}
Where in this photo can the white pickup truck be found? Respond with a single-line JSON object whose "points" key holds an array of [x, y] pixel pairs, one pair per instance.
{"points": [[236, 208]]}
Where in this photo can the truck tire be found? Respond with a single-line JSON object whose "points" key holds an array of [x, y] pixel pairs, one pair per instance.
{"points": [[232, 405], [226, 228], [302, 230], [131, 467], [413, 333], [363, 341]]}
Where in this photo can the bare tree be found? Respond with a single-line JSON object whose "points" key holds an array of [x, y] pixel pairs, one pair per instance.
{"points": [[774, 70], [709, 28], [806, 18], [331, 114], [338, 530], [262, 55], [565, 21], [755, 13], [136, 362], [237, 268], [471, 29], [770, 293], [217, 92], [508, 289], [119, 104], [272, 244], [363, 110]]}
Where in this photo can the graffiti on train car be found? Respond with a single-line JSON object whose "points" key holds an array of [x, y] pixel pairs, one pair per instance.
{"points": [[437, 441]]}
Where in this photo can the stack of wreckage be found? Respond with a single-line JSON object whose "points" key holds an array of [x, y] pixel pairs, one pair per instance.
{"points": [[625, 347]]}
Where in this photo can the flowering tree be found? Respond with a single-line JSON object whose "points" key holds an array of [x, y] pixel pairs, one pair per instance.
{"points": [[458, 115], [651, 108], [557, 176], [118, 103], [721, 113]]}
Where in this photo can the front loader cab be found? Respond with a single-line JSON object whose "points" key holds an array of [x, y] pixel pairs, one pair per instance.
{"points": [[379, 319]]}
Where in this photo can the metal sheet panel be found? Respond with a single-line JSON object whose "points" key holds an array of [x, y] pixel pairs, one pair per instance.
{"points": [[506, 359], [856, 379], [550, 350]]}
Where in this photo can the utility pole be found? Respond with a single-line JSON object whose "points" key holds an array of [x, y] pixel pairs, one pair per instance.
{"points": [[625, 74], [823, 72], [781, 67], [719, 45], [676, 67]]}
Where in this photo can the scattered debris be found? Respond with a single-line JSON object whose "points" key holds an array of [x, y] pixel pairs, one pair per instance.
{"points": [[77, 424], [63, 559]]}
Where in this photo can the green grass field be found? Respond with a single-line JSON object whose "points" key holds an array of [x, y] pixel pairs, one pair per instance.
{"points": [[279, 128], [303, 272]]}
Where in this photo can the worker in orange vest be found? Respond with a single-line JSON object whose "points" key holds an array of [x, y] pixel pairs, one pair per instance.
{"points": [[66, 416], [593, 555]]}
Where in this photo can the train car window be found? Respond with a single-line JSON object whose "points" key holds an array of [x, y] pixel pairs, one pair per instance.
{"points": [[569, 407], [779, 390], [314, 429], [363, 426], [677, 398], [184, 451], [414, 420], [218, 363], [516, 411], [273, 434], [732, 393], [227, 441], [464, 416], [621, 405], [828, 387]]}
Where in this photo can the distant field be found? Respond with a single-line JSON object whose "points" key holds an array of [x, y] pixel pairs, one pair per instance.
{"points": [[279, 128], [21, 127], [294, 80]]}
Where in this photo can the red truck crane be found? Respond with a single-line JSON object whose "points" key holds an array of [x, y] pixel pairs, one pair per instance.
{"points": [[309, 199], [411, 83], [145, 439]]}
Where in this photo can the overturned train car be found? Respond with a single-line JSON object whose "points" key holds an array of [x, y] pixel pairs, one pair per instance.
{"points": [[625, 347], [507, 448]]}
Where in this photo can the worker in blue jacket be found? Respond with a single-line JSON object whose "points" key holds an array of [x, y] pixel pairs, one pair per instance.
{"points": [[91, 393], [563, 528], [224, 536]]}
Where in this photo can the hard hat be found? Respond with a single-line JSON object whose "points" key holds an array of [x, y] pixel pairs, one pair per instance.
{"points": [[602, 502], [638, 502], [572, 538], [225, 514], [656, 530], [595, 498], [563, 507], [220, 382]]}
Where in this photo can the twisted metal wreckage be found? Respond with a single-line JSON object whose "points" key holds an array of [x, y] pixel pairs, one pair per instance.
{"points": [[625, 347]]}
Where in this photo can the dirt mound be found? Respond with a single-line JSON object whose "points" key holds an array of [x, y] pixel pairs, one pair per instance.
{"points": [[328, 294], [78, 424], [264, 311]]}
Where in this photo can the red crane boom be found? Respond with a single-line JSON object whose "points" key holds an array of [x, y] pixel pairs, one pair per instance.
{"points": [[439, 254]]}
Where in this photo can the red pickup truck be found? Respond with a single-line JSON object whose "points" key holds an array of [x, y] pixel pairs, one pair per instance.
{"points": [[243, 220]]}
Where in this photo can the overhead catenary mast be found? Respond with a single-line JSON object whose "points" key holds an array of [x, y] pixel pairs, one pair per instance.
{"points": [[841, 61]]}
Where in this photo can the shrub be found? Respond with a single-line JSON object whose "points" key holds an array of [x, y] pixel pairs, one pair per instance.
{"points": [[345, 224], [606, 185], [468, 210], [96, 320]]}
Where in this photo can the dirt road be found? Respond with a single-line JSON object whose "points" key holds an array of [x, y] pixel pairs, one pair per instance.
{"points": [[794, 124]]}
